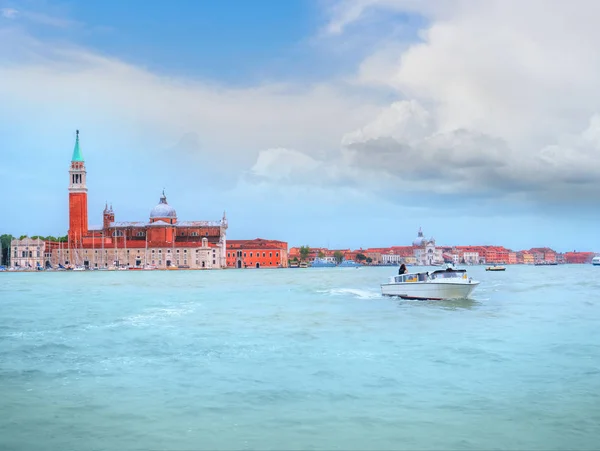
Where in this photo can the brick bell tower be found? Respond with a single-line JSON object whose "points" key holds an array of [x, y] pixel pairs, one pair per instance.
{"points": [[78, 215]]}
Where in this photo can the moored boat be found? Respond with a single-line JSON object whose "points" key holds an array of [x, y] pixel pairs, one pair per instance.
{"points": [[495, 268], [322, 263], [436, 285], [349, 264], [596, 260]]}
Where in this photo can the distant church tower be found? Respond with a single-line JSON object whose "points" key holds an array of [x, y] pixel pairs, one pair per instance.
{"points": [[78, 214]]}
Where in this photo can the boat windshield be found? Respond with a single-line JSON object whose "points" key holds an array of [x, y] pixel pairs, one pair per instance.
{"points": [[447, 274], [419, 277]]}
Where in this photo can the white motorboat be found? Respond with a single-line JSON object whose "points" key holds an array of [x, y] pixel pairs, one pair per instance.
{"points": [[596, 260], [436, 285]]}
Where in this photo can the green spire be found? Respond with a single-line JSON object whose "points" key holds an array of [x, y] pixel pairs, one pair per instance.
{"points": [[77, 156]]}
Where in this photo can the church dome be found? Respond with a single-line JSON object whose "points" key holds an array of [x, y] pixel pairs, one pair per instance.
{"points": [[163, 209], [420, 240]]}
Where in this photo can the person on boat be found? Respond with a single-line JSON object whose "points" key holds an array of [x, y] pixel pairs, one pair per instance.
{"points": [[402, 269]]}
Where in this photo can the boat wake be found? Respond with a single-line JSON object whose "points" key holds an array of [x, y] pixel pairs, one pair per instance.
{"points": [[155, 315], [360, 294]]}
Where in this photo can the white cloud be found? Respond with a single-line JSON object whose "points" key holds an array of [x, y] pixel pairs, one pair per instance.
{"points": [[496, 95], [9, 13], [348, 12], [405, 121], [344, 13], [494, 99], [48, 20], [232, 124], [279, 164], [38, 18]]}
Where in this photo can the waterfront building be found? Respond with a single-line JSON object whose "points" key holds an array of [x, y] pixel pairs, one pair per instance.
{"points": [[468, 255], [393, 258], [525, 258], [27, 253], [578, 257], [396, 255], [323, 253], [294, 253], [496, 254], [425, 250], [162, 242], [451, 258], [257, 253], [375, 254], [352, 255], [543, 254], [313, 252]]}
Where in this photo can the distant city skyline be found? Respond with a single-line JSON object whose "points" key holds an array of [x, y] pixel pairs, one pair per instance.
{"points": [[339, 124]]}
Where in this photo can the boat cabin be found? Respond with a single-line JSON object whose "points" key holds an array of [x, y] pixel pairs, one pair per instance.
{"points": [[415, 277], [425, 276]]}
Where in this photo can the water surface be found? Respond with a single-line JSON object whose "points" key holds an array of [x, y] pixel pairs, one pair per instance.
{"points": [[295, 359]]}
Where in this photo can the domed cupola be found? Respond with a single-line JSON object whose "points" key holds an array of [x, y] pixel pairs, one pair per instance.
{"points": [[163, 211], [420, 241]]}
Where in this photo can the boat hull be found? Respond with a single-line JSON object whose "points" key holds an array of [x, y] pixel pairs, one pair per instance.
{"points": [[429, 291]]}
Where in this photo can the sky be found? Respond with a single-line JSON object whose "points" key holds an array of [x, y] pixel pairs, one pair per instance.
{"points": [[338, 123]]}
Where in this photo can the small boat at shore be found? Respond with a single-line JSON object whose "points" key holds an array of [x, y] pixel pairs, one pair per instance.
{"points": [[495, 268], [438, 285], [596, 260]]}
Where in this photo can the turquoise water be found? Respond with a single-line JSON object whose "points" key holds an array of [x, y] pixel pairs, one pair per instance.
{"points": [[296, 359]]}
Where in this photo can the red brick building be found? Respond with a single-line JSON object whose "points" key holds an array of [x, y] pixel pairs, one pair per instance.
{"points": [[579, 257], [543, 254], [162, 242], [257, 253]]}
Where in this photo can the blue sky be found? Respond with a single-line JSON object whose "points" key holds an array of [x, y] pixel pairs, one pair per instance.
{"points": [[228, 41], [321, 122]]}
